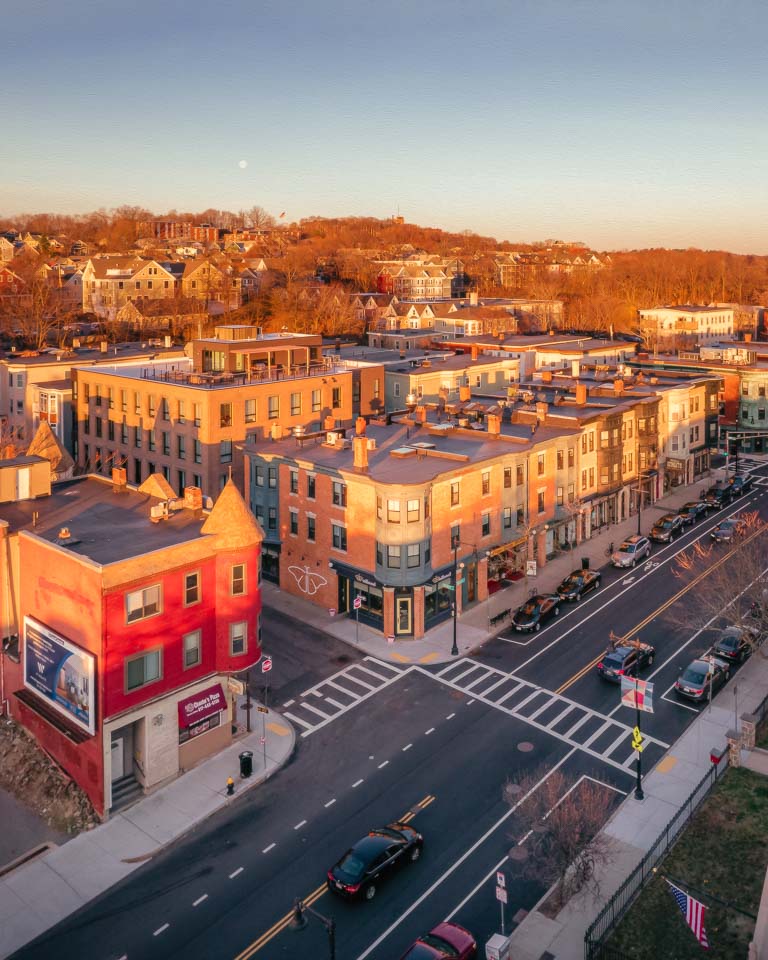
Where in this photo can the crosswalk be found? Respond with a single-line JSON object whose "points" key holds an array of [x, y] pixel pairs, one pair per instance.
{"points": [[600, 736], [330, 698]]}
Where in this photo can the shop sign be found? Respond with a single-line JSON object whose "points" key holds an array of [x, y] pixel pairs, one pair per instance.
{"points": [[361, 579], [439, 578], [201, 705], [60, 672]]}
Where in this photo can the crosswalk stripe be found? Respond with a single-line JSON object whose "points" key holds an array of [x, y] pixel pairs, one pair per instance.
{"points": [[530, 696], [363, 683], [338, 686], [598, 733], [494, 685], [542, 708], [301, 723], [308, 706], [569, 733], [479, 680], [510, 692], [359, 666], [465, 673], [622, 738]]}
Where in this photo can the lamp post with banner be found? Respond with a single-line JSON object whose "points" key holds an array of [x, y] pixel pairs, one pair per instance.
{"points": [[638, 694]]}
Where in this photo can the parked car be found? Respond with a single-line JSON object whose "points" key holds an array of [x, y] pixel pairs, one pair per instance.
{"points": [[692, 511], [446, 940], [736, 643], [536, 611], [578, 583], [741, 484], [625, 660], [729, 530], [667, 528], [359, 872], [717, 497], [630, 551], [694, 682]]}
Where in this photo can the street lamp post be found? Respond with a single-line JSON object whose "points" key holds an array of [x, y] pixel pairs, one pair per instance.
{"points": [[455, 647], [299, 921]]}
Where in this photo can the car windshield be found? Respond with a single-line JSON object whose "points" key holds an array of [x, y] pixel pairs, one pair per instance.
{"points": [[729, 641], [530, 608], [665, 524], [627, 548], [351, 864], [573, 581], [432, 940], [613, 660], [696, 674]]}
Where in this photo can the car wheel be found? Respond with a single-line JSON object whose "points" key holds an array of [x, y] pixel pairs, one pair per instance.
{"points": [[597, 584], [536, 627], [650, 660], [370, 891], [414, 854], [633, 564], [557, 611]]}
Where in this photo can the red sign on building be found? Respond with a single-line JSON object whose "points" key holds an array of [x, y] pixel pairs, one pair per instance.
{"points": [[201, 705]]}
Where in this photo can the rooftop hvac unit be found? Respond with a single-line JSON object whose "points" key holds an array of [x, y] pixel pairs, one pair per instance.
{"points": [[332, 437], [371, 445]]}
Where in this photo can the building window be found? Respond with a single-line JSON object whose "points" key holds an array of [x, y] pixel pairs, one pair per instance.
{"points": [[100, 428], [250, 411], [272, 518], [336, 397], [520, 475], [572, 456], [507, 477], [181, 417], [339, 494], [393, 511], [310, 527], [455, 494], [486, 525], [413, 555], [152, 439], [124, 434], [191, 588], [560, 460], [197, 411], [455, 535], [339, 536], [238, 580], [311, 486], [540, 464], [316, 401], [225, 451], [272, 477], [141, 604], [143, 669], [540, 497], [520, 516], [294, 520], [506, 518], [560, 496], [238, 638], [393, 555], [166, 443], [165, 408], [413, 511], [225, 414], [198, 451], [192, 643], [293, 476], [486, 482], [151, 405], [181, 447], [124, 401], [259, 476], [295, 404], [273, 407], [379, 508]]}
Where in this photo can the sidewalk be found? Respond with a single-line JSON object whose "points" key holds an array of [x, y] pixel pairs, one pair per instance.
{"points": [[36, 895], [473, 626]]}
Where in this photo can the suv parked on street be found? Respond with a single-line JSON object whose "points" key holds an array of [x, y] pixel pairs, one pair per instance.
{"points": [[718, 497], [692, 511], [667, 528], [630, 551]]}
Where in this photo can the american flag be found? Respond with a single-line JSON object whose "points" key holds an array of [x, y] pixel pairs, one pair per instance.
{"points": [[693, 911]]}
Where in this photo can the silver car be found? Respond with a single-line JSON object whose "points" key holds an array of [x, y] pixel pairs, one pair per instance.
{"points": [[631, 551]]}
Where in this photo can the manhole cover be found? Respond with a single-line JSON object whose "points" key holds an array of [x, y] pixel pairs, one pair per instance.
{"points": [[525, 747], [518, 853]]}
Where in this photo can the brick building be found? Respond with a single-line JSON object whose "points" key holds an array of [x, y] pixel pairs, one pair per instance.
{"points": [[125, 613]]}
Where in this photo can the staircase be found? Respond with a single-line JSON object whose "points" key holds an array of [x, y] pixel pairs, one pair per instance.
{"points": [[125, 791]]}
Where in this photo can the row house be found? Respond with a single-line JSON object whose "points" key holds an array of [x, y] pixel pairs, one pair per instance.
{"points": [[189, 418], [409, 281], [685, 326], [128, 611], [11, 284]]}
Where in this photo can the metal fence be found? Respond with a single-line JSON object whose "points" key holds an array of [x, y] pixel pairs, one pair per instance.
{"points": [[760, 711], [620, 902]]}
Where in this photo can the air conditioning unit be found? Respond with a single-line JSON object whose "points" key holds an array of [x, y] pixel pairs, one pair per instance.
{"points": [[371, 445], [332, 437]]}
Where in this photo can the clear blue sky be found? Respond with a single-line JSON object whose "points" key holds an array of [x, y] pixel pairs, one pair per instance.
{"points": [[618, 124]]}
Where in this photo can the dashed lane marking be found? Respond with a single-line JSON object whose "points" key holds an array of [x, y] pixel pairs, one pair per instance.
{"points": [[270, 847], [427, 732], [299, 825], [450, 716], [407, 747], [330, 803], [199, 900], [357, 783], [236, 873], [289, 703], [382, 765], [161, 930]]}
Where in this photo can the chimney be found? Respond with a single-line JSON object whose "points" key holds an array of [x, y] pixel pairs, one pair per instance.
{"points": [[747, 338], [167, 340], [193, 501], [275, 431], [119, 479], [473, 298], [360, 425], [618, 387], [575, 369], [103, 346], [541, 409], [402, 354], [465, 394], [546, 376], [329, 424], [494, 424], [360, 454], [475, 352], [581, 394]]}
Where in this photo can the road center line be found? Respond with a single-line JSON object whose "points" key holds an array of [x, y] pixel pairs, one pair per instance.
{"points": [[236, 873], [300, 825], [382, 765], [356, 783], [407, 747], [270, 847], [199, 900], [161, 930], [427, 732], [330, 803]]}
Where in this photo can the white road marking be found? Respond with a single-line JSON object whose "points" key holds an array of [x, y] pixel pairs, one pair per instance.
{"points": [[359, 666], [330, 803], [346, 690], [469, 703], [289, 703], [570, 732], [199, 900], [359, 699], [622, 738], [161, 930], [531, 696], [270, 847], [316, 693], [334, 703], [599, 732], [382, 765], [450, 716], [450, 667], [479, 680], [362, 683], [509, 693], [300, 825], [427, 732], [407, 747], [471, 669], [383, 664], [236, 873], [356, 783], [307, 706], [494, 685], [301, 723]]}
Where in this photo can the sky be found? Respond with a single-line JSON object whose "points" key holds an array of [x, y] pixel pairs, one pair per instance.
{"points": [[621, 125]]}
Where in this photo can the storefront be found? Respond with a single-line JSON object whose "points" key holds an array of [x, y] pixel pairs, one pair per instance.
{"points": [[675, 473], [438, 598], [356, 584], [506, 563], [270, 562]]}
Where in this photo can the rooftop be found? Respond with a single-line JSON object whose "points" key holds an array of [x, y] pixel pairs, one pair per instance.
{"points": [[92, 354]]}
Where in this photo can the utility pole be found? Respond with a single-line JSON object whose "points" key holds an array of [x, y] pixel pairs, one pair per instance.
{"points": [[299, 921]]}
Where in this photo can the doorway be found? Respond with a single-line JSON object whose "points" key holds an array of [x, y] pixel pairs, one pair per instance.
{"points": [[343, 601], [117, 762], [403, 616]]}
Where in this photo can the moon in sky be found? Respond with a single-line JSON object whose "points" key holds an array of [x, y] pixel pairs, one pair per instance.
{"points": [[243, 164]]}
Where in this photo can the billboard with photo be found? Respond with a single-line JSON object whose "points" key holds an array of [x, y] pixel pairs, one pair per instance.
{"points": [[60, 672]]}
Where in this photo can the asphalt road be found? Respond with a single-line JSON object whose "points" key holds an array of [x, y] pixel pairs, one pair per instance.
{"points": [[379, 742]]}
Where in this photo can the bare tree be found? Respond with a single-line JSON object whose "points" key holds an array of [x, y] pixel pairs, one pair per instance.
{"points": [[557, 823]]}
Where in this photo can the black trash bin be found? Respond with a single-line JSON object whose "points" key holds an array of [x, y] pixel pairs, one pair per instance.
{"points": [[246, 764], [585, 563]]}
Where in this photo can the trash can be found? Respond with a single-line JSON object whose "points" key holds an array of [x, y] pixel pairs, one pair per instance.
{"points": [[246, 764], [585, 563]]}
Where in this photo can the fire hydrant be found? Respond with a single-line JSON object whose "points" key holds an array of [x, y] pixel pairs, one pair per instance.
{"points": [[230, 787]]}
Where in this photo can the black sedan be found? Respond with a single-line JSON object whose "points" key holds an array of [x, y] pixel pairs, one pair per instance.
{"points": [[365, 865], [729, 530], [692, 511], [735, 644], [694, 682], [625, 661], [578, 583], [667, 528], [536, 611], [741, 484]]}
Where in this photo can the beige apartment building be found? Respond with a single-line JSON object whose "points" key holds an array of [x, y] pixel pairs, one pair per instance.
{"points": [[189, 418]]}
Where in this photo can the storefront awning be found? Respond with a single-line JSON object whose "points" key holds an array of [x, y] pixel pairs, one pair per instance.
{"points": [[507, 546], [201, 705]]}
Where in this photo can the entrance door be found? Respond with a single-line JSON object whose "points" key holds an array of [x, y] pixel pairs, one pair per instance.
{"points": [[118, 759], [343, 595], [403, 616], [22, 484]]}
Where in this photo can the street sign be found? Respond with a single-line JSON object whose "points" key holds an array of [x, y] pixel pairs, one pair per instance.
{"points": [[637, 693], [637, 744], [261, 709], [501, 880], [358, 602], [530, 568], [266, 664], [235, 687], [501, 895]]}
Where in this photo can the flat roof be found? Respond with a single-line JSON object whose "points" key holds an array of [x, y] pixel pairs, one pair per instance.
{"points": [[115, 353], [109, 526]]}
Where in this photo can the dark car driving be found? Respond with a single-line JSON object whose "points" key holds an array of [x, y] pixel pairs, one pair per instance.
{"points": [[728, 530], [667, 528], [694, 682], [578, 583], [625, 661], [536, 611], [718, 497], [446, 940], [741, 484], [361, 869], [735, 644], [692, 511]]}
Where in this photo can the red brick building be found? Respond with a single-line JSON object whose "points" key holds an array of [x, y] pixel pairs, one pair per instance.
{"points": [[127, 611]]}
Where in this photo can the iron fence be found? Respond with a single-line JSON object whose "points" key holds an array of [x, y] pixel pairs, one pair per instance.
{"points": [[622, 899]]}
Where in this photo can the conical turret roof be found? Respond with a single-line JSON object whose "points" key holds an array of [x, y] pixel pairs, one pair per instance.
{"points": [[231, 521]]}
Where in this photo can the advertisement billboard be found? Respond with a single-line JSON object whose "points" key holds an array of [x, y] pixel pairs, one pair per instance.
{"points": [[61, 673]]}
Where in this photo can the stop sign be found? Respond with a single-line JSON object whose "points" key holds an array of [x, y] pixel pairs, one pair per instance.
{"points": [[266, 664]]}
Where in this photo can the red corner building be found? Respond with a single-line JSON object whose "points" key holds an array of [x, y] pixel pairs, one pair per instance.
{"points": [[124, 613]]}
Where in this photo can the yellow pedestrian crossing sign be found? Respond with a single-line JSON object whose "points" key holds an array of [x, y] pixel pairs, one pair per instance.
{"points": [[636, 733], [637, 740]]}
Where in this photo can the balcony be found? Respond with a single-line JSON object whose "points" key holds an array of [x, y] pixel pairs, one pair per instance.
{"points": [[259, 373]]}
